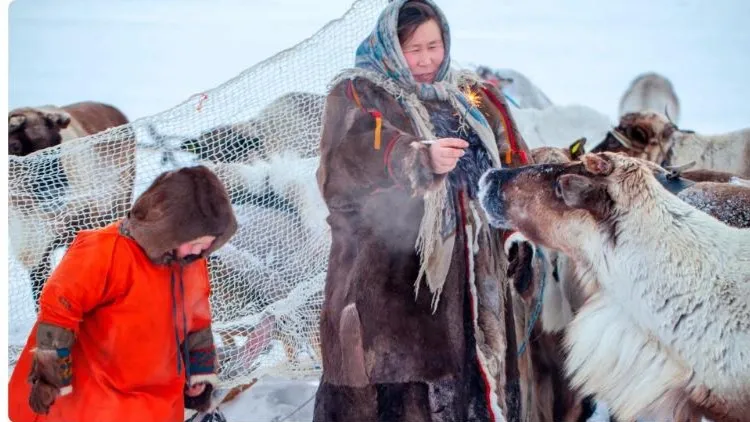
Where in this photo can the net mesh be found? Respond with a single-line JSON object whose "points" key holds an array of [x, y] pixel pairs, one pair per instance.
{"points": [[260, 133]]}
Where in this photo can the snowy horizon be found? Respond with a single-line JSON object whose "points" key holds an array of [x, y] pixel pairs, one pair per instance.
{"points": [[147, 57]]}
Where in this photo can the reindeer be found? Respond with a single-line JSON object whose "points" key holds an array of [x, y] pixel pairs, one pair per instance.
{"points": [[654, 137], [290, 123], [666, 332], [650, 91]]}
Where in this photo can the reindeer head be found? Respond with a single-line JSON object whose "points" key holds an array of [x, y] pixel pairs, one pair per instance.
{"points": [[31, 129], [555, 155], [560, 205], [646, 135]]}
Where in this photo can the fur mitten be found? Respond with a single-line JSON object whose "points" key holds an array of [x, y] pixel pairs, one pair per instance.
{"points": [[201, 402], [51, 370]]}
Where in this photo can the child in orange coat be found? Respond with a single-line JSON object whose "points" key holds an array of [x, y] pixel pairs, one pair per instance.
{"points": [[124, 326]]}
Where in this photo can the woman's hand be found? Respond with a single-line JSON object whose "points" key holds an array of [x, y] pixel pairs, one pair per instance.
{"points": [[445, 152], [195, 390]]}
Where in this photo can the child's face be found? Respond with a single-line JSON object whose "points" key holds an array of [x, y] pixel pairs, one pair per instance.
{"points": [[195, 246]]}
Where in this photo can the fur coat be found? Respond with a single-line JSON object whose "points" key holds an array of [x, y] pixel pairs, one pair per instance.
{"points": [[124, 325], [388, 355]]}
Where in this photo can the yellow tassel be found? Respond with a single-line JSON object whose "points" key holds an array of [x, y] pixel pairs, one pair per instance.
{"points": [[378, 125], [508, 157]]}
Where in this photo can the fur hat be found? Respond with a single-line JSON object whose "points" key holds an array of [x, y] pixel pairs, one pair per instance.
{"points": [[180, 206]]}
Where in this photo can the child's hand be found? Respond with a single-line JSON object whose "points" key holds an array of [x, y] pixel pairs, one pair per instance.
{"points": [[195, 390]]}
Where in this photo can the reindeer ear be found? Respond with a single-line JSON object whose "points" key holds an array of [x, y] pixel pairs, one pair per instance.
{"points": [[576, 148], [15, 122], [60, 119], [577, 191], [596, 164]]}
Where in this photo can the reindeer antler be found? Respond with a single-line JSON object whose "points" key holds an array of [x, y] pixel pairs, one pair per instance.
{"points": [[676, 171], [666, 113]]}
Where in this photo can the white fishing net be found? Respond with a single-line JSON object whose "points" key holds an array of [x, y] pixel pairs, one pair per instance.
{"points": [[260, 133]]}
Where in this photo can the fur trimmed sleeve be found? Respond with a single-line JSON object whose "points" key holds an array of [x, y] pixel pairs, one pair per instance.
{"points": [[202, 361], [77, 285], [203, 368], [366, 144]]}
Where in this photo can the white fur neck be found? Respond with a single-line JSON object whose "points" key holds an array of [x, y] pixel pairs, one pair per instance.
{"points": [[675, 288], [725, 152]]}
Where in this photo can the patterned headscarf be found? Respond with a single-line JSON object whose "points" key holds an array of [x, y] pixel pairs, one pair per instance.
{"points": [[379, 58], [381, 52]]}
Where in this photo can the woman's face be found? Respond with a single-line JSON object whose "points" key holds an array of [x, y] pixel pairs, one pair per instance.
{"points": [[424, 51]]}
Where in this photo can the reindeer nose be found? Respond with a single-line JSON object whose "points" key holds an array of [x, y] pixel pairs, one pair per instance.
{"points": [[496, 178]]}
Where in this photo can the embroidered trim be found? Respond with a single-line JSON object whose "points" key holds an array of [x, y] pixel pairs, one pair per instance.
{"points": [[203, 361], [510, 133], [495, 413], [387, 156], [65, 366]]}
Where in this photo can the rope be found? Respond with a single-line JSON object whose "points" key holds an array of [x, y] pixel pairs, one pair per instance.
{"points": [[286, 418], [538, 305]]}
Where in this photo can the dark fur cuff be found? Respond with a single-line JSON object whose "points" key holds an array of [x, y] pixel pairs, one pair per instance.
{"points": [[417, 167]]}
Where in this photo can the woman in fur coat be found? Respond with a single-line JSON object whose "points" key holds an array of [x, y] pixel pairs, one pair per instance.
{"points": [[416, 323], [124, 326]]}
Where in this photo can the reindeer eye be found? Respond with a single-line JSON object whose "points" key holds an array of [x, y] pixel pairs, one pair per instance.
{"points": [[639, 135]]}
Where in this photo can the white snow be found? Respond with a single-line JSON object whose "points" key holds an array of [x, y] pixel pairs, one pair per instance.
{"points": [[146, 56]]}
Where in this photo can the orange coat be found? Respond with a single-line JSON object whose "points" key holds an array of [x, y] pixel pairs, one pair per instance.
{"points": [[122, 310]]}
